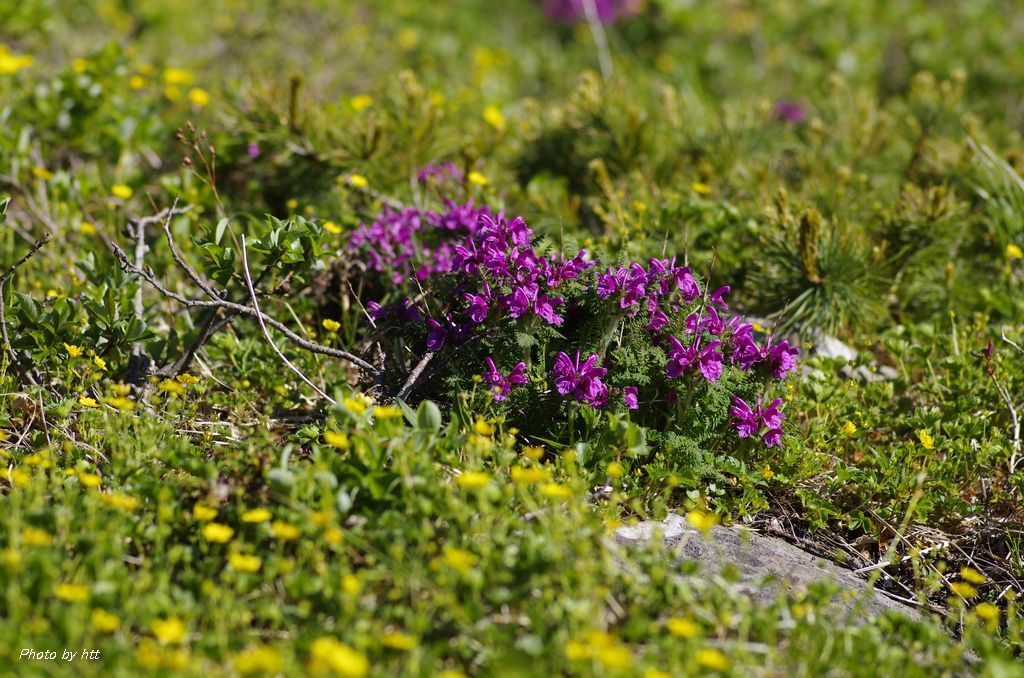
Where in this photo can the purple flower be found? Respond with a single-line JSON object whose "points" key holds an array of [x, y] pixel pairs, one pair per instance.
{"points": [[478, 304], [782, 358], [575, 10], [631, 398], [710, 361], [745, 418], [679, 358], [770, 416], [772, 437], [658, 321], [253, 149], [582, 381], [716, 296], [501, 385], [545, 308], [686, 283], [790, 111], [438, 335]]}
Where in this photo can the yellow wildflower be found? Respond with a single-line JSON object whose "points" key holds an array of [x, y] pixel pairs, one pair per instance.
{"points": [[121, 191], [177, 76], [170, 631], [99, 362], [682, 628], [533, 452], [483, 427], [615, 470], [397, 640], [576, 651], [33, 536], [972, 575], [120, 403], [532, 475], [90, 480], [292, 204], [615, 657], [259, 515], [407, 38], [104, 621], [260, 659], [203, 513], [18, 477], [767, 473], [73, 351], [701, 520], [331, 227], [331, 325], [86, 401], [477, 178], [10, 558], [700, 188], [849, 428], [136, 82], [338, 657], [1014, 252], [361, 102], [172, 387], [358, 180], [350, 584], [494, 118], [42, 173], [199, 97], [927, 442], [12, 63], [458, 559], [71, 593], [987, 611], [187, 379], [86, 228], [387, 412], [556, 491], [355, 406], [472, 479], [245, 563], [218, 533], [120, 501], [963, 589], [285, 531], [712, 659], [336, 439]]}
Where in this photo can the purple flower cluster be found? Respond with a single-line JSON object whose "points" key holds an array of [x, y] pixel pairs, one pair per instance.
{"points": [[582, 381], [439, 175], [394, 243], [575, 10], [749, 421], [500, 384]]}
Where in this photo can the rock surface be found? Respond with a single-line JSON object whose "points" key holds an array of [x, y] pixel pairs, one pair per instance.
{"points": [[758, 558]]}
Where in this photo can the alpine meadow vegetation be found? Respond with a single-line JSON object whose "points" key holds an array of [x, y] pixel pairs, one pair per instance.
{"points": [[343, 338]]}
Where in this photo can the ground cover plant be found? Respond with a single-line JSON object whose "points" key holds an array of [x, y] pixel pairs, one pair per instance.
{"points": [[339, 338]]}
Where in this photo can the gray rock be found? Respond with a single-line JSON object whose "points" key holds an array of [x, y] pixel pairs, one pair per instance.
{"points": [[766, 565]]}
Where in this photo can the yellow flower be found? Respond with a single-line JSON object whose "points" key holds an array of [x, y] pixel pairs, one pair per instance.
{"points": [[358, 180], [122, 390], [285, 531], [556, 491], [18, 477], [33, 536], [187, 379], [121, 191], [355, 405], [120, 501], [87, 229], [656, 673], [361, 102], [104, 621], [963, 589], [615, 470], [477, 178], [483, 427], [531, 475], [682, 628], [350, 584], [42, 173], [712, 659], [245, 563], [701, 520], [972, 575], [331, 227], [458, 559], [849, 428], [387, 412], [218, 533], [90, 480], [177, 76], [71, 593], [494, 118], [203, 513], [1014, 252], [987, 611], [408, 38], [576, 651], [261, 659], [79, 65], [927, 442], [136, 82], [12, 63], [198, 96], [10, 558], [292, 204], [615, 657], [397, 640], [340, 658], [767, 473], [73, 351], [472, 479], [533, 452], [700, 188], [331, 325], [259, 515], [99, 362], [170, 631], [120, 403], [172, 387], [86, 401]]}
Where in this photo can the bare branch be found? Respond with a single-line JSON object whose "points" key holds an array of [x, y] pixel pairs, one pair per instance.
{"points": [[266, 333], [36, 246], [410, 381]]}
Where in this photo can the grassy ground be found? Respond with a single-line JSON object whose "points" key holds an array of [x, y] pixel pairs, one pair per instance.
{"points": [[851, 169]]}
